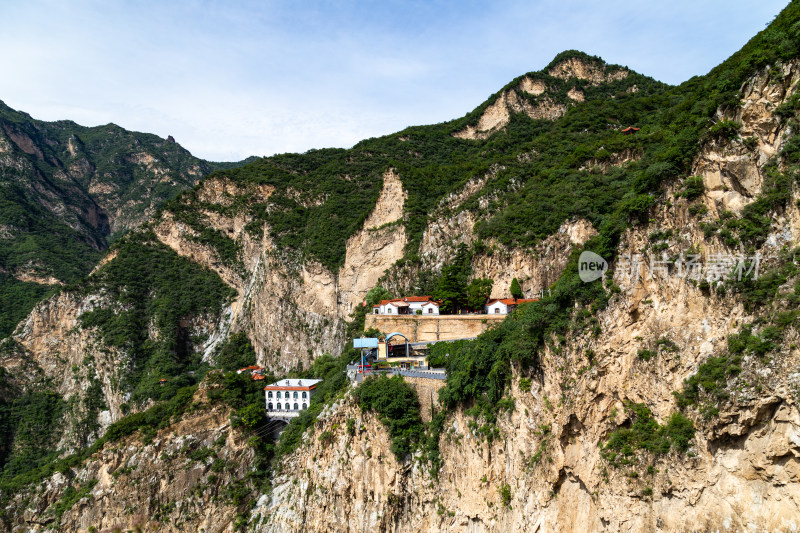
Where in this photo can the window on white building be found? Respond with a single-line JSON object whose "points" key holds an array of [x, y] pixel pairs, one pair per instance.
{"points": [[269, 406], [279, 406], [496, 310], [430, 310], [269, 394], [305, 406], [295, 407], [304, 394], [295, 395]]}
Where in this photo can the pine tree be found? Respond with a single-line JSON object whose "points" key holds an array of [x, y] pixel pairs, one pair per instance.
{"points": [[516, 289]]}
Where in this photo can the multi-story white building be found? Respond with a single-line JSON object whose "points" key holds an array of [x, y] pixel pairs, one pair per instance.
{"points": [[287, 397], [408, 305]]}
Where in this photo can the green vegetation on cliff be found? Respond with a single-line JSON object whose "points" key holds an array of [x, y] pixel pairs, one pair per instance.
{"points": [[148, 286], [538, 174], [67, 190], [673, 124], [397, 405]]}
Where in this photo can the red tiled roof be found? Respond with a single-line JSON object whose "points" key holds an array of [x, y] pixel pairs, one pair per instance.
{"points": [[416, 298], [406, 299], [512, 301], [631, 129], [258, 377]]}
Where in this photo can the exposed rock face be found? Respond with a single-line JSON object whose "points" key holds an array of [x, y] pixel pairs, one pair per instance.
{"points": [[576, 94], [53, 346], [613, 160], [509, 101], [534, 269], [292, 310], [98, 182], [179, 481], [545, 471], [596, 73], [356, 484], [548, 454], [531, 86], [733, 171], [376, 247], [499, 113]]}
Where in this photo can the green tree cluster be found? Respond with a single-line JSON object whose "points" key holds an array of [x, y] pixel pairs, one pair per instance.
{"points": [[397, 405], [149, 285]]}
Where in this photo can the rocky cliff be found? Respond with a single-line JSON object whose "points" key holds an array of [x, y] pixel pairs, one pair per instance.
{"points": [[663, 397], [183, 477], [68, 191], [546, 470]]}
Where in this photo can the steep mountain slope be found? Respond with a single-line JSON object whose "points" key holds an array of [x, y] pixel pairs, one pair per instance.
{"points": [[649, 402], [68, 190]]}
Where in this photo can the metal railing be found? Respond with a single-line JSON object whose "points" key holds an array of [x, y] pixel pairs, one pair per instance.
{"points": [[412, 373]]}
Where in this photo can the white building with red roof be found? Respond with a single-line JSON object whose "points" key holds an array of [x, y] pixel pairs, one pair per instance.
{"points": [[503, 306], [288, 397], [408, 305]]}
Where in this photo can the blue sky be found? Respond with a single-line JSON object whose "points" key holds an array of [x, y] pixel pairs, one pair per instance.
{"points": [[232, 79]]}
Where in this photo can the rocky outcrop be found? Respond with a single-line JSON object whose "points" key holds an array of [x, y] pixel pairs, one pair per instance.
{"points": [[543, 469], [733, 170], [184, 478], [549, 461], [451, 225], [536, 269], [497, 115], [593, 71], [292, 309], [51, 346], [380, 243], [510, 101], [546, 472]]}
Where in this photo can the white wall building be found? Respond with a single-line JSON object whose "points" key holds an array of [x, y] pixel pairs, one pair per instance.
{"points": [[408, 305], [505, 305], [430, 308], [288, 397]]}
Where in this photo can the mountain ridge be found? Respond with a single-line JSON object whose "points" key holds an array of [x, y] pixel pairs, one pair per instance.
{"points": [[629, 403], [68, 191]]}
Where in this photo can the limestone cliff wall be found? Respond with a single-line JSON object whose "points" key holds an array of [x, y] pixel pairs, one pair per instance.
{"points": [[179, 480], [433, 328], [428, 394], [742, 472], [50, 345], [291, 309]]}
